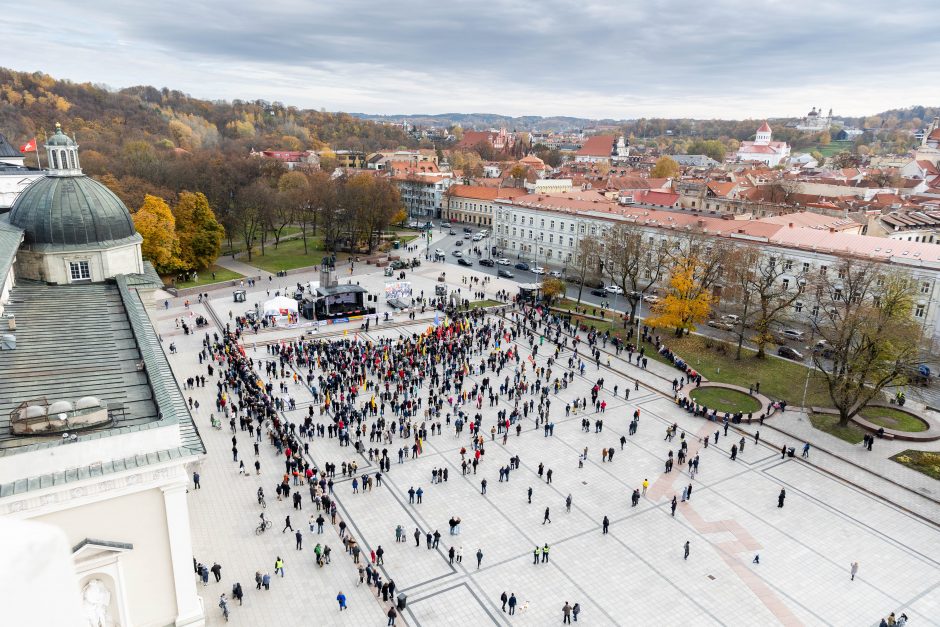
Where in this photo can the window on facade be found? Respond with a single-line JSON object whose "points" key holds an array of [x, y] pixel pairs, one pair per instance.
{"points": [[925, 288], [542, 223], [822, 270], [551, 239], [530, 234], [553, 224], [531, 221], [805, 267], [79, 270], [837, 295], [570, 241], [814, 311], [841, 273], [581, 230], [788, 264], [593, 230], [799, 307], [919, 311], [786, 284]]}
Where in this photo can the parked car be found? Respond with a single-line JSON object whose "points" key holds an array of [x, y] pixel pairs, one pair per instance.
{"points": [[598, 292], [651, 298], [614, 289], [464, 262], [790, 353], [555, 274], [506, 274], [502, 261], [793, 334], [522, 266], [489, 263], [733, 319], [445, 225], [721, 324], [538, 270], [457, 253]]}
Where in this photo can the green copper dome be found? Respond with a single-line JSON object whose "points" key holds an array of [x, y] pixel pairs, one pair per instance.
{"points": [[59, 138], [71, 211]]}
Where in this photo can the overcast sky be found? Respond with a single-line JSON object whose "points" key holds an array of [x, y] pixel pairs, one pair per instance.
{"points": [[586, 58]]}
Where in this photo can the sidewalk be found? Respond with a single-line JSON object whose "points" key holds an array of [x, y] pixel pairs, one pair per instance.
{"points": [[872, 471]]}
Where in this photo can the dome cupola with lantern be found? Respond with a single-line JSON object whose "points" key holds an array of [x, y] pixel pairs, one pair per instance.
{"points": [[75, 229]]}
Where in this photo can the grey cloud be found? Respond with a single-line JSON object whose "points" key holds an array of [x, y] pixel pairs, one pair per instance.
{"points": [[614, 54]]}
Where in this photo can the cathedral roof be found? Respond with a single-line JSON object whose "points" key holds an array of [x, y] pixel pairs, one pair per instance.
{"points": [[764, 128], [7, 149], [71, 211]]}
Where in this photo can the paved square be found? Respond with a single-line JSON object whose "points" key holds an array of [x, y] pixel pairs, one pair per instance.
{"points": [[635, 573]]}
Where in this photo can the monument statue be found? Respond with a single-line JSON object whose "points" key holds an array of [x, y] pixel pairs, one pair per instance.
{"points": [[96, 602]]}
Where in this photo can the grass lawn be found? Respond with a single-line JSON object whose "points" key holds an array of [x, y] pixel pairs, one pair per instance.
{"points": [[289, 255], [779, 378], [205, 277], [891, 418], [479, 304], [725, 400], [829, 423], [832, 148], [927, 462]]}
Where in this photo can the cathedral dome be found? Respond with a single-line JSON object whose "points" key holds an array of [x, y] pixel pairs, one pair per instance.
{"points": [[73, 211]]}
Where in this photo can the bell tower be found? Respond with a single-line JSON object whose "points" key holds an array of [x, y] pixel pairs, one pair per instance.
{"points": [[62, 154]]}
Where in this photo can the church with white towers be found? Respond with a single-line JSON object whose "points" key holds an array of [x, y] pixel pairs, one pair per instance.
{"points": [[763, 148]]}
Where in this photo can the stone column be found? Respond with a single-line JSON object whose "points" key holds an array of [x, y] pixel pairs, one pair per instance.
{"points": [[189, 607]]}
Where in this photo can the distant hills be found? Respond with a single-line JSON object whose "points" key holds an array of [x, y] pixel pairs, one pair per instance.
{"points": [[493, 120], [893, 118]]}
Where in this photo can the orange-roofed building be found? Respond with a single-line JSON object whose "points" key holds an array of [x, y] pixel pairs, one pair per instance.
{"points": [[473, 204]]}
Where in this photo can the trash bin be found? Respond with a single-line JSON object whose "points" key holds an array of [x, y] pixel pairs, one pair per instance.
{"points": [[402, 601]]}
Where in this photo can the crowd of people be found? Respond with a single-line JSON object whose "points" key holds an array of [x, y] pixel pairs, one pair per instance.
{"points": [[383, 399]]}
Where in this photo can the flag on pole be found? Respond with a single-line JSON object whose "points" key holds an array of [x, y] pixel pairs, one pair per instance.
{"points": [[29, 146]]}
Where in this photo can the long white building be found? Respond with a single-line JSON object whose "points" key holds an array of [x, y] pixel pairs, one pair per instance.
{"points": [[548, 230]]}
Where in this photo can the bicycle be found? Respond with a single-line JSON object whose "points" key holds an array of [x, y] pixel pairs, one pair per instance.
{"points": [[262, 527], [262, 502]]}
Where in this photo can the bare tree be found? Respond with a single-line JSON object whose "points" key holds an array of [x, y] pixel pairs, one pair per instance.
{"points": [[865, 320], [587, 263], [631, 265], [766, 288]]}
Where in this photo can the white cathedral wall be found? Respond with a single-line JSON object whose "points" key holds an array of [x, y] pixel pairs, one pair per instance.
{"points": [[53, 266], [146, 572]]}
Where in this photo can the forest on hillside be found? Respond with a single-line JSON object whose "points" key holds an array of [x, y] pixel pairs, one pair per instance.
{"points": [[161, 141]]}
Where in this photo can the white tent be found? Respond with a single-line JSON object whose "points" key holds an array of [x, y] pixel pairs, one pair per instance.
{"points": [[280, 306]]}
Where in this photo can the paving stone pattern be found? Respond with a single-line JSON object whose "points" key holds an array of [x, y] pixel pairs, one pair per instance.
{"points": [[634, 574]]}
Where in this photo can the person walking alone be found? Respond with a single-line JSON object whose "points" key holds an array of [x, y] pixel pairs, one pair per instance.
{"points": [[546, 519], [686, 556]]}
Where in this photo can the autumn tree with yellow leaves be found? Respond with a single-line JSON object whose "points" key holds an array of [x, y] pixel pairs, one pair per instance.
{"points": [[156, 224], [199, 232], [686, 304]]}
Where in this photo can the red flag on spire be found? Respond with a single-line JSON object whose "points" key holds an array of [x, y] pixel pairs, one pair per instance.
{"points": [[29, 146]]}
